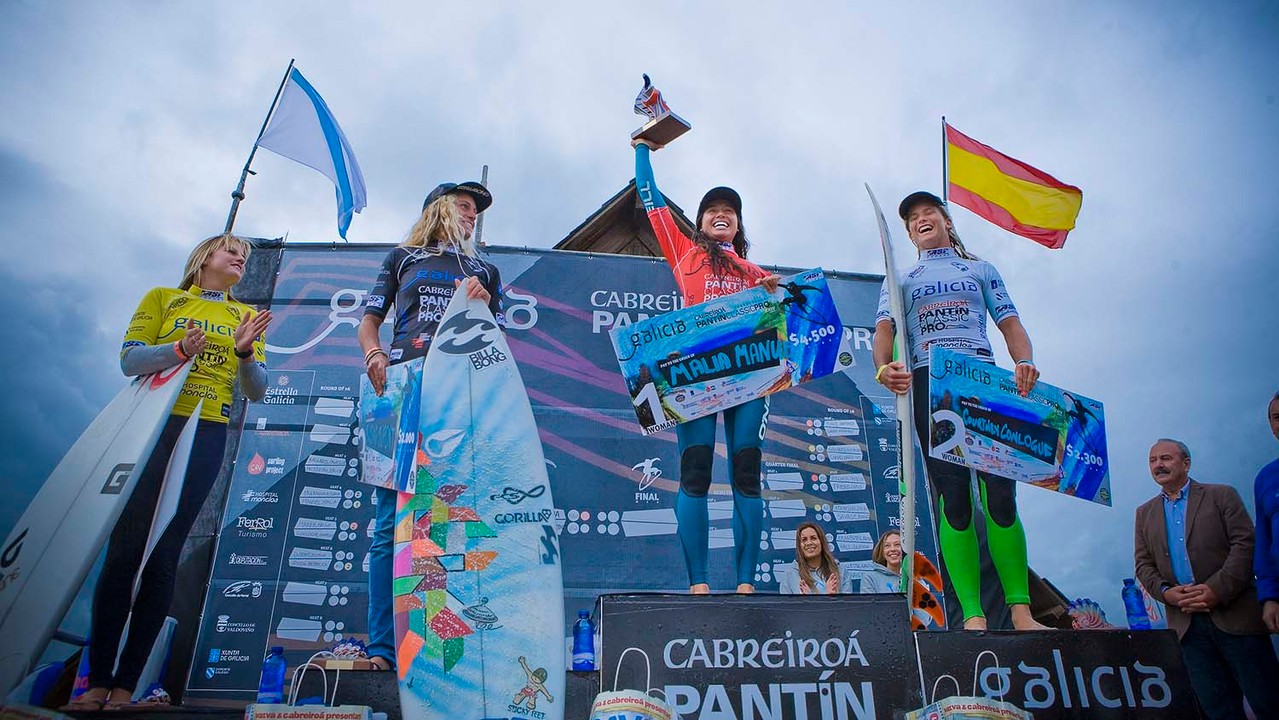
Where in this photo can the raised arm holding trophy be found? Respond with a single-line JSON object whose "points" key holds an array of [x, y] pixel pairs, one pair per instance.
{"points": [[710, 264]]}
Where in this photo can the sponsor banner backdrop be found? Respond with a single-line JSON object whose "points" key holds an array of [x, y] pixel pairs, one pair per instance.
{"points": [[1059, 675], [838, 656], [298, 513]]}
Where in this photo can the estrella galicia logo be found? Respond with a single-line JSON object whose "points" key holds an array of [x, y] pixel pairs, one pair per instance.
{"points": [[463, 334], [116, 479]]}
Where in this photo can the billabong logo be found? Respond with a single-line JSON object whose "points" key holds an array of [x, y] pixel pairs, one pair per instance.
{"points": [[116, 479], [463, 334]]}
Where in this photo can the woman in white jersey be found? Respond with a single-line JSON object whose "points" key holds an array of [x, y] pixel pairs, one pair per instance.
{"points": [[947, 295]]}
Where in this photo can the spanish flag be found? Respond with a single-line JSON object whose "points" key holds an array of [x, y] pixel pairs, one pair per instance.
{"points": [[1008, 192]]}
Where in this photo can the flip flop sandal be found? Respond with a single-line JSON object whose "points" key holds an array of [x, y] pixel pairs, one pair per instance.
{"points": [[83, 704]]}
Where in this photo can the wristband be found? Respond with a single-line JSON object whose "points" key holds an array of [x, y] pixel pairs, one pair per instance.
{"points": [[1026, 362], [368, 357], [244, 355], [880, 373], [177, 348]]}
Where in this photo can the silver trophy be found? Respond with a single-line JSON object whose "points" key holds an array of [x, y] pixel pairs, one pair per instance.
{"points": [[663, 125]]}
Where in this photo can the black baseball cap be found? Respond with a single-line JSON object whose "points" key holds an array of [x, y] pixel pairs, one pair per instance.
{"points": [[915, 198], [481, 194], [720, 194]]}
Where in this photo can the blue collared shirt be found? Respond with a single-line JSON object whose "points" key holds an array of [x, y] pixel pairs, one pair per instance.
{"points": [[1175, 520]]}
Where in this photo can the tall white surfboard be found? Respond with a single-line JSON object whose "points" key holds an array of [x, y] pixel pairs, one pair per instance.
{"points": [[46, 557], [905, 411]]}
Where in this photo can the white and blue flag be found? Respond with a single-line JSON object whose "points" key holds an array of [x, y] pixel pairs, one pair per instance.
{"points": [[303, 129]]}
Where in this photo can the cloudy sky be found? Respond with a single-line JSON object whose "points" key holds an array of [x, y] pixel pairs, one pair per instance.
{"points": [[126, 125]]}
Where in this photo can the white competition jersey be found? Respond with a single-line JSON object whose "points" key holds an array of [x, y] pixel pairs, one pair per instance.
{"points": [[946, 298]]}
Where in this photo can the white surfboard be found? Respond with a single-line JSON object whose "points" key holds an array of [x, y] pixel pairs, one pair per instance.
{"points": [[479, 599], [175, 478], [49, 552], [905, 411]]}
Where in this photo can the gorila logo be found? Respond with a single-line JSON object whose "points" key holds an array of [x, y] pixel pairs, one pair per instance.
{"points": [[116, 479], [463, 334]]}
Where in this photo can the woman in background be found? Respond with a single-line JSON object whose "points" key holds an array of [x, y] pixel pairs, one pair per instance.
{"points": [[814, 571], [886, 576]]}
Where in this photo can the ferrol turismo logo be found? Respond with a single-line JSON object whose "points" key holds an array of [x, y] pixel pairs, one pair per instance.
{"points": [[251, 523], [116, 479], [243, 589], [462, 334]]}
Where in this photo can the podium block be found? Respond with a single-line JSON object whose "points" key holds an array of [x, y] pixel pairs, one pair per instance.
{"points": [[837, 656], [1059, 674]]}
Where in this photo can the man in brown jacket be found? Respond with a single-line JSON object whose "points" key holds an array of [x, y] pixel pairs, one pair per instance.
{"points": [[1193, 548]]}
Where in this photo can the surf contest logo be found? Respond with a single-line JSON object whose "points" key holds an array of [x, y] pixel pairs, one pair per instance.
{"points": [[9, 568], [474, 337]]}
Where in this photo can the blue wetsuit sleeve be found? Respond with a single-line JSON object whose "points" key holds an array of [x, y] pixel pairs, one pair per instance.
{"points": [[998, 302], [146, 359], [1265, 558], [645, 185]]}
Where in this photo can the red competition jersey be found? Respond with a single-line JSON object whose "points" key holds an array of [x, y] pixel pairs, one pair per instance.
{"points": [[689, 263]]}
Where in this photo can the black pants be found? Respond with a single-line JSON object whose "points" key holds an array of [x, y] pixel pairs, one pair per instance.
{"points": [[1222, 665], [111, 598]]}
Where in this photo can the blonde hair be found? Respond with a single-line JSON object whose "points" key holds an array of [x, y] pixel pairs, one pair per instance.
{"points": [[877, 555], [440, 227], [200, 255], [827, 565]]}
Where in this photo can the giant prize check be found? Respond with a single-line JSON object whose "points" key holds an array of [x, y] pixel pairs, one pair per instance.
{"points": [[699, 360], [1055, 439]]}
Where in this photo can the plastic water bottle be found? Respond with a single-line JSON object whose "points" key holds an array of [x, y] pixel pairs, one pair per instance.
{"points": [[271, 686], [1135, 606], [583, 642]]}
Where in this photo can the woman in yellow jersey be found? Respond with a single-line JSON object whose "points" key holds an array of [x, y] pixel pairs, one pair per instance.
{"points": [[200, 321]]}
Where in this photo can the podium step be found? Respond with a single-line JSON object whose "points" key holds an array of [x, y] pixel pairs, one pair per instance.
{"points": [[852, 656]]}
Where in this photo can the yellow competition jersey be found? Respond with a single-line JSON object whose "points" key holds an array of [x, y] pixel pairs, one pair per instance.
{"points": [[163, 317]]}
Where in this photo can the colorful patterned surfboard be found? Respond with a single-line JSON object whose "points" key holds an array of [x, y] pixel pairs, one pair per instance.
{"points": [[479, 610]]}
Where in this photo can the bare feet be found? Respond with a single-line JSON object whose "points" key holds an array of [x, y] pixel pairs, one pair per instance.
{"points": [[89, 701], [1024, 620], [975, 623], [745, 589], [699, 589], [118, 699]]}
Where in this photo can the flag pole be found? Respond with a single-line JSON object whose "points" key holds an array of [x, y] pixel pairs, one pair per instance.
{"points": [[479, 222], [238, 194], [945, 167]]}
